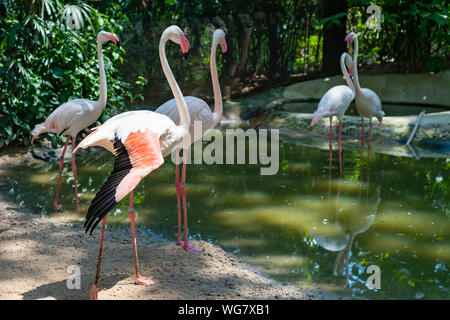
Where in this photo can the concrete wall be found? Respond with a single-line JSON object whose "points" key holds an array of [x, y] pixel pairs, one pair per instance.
{"points": [[416, 88]]}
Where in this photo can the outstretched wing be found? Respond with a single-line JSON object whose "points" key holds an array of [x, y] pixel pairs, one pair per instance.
{"points": [[134, 159]]}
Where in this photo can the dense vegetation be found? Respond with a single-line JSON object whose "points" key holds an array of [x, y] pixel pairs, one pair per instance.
{"points": [[45, 61]]}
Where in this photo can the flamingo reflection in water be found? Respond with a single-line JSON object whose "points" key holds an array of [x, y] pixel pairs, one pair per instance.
{"points": [[338, 234]]}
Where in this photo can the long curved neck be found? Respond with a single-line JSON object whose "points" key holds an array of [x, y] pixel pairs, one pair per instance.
{"points": [[345, 71], [355, 66], [103, 90], [217, 114], [185, 119]]}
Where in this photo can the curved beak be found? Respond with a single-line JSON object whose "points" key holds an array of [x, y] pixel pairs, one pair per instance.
{"points": [[185, 46], [114, 39], [224, 46], [350, 72], [316, 117]]}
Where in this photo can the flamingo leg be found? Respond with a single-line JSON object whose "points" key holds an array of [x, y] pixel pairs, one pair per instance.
{"points": [[74, 170], [362, 132], [185, 243], [94, 286], [178, 189], [340, 148], [370, 137], [145, 281], [329, 184], [61, 163], [331, 132]]}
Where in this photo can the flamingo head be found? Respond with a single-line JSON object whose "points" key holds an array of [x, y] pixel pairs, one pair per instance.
{"points": [[104, 36], [350, 37], [348, 63], [350, 72], [379, 116], [219, 36], [175, 34], [319, 114]]}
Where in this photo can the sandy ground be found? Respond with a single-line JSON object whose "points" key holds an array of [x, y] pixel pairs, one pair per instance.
{"points": [[35, 253]]}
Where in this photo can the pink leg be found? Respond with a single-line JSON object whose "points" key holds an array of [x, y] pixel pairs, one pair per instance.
{"points": [[331, 132], [94, 286], [61, 163], [178, 189], [329, 183], [362, 132], [145, 281], [370, 138], [340, 148], [185, 243], [74, 170]]}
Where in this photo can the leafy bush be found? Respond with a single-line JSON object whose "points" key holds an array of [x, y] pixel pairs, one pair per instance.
{"points": [[414, 34], [45, 63]]}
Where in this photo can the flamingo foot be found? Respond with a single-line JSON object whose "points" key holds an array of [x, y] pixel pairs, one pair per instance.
{"points": [[94, 292], [56, 206], [188, 247], [144, 281]]}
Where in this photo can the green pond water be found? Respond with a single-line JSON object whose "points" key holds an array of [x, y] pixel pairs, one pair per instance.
{"points": [[297, 225]]}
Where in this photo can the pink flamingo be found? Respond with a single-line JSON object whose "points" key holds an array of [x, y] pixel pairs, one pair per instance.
{"points": [[336, 101], [75, 115], [198, 111], [139, 141], [367, 101]]}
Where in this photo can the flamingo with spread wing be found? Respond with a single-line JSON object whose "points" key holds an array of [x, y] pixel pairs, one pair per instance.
{"points": [[139, 141]]}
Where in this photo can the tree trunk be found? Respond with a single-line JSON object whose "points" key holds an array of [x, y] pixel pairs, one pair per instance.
{"points": [[333, 37]]}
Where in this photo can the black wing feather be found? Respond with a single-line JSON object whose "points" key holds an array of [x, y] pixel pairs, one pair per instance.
{"points": [[105, 199]]}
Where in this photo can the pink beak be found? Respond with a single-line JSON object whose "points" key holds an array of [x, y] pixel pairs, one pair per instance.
{"points": [[350, 72], [114, 39], [224, 46], [315, 118], [184, 44], [348, 38]]}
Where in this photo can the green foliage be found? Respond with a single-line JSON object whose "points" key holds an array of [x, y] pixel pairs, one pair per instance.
{"points": [[413, 34], [44, 63]]}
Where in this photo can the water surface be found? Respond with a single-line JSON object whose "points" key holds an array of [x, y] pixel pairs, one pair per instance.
{"points": [[297, 225]]}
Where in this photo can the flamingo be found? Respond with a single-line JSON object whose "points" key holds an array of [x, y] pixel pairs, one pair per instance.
{"points": [[139, 141], [75, 115], [198, 111], [367, 101], [336, 101]]}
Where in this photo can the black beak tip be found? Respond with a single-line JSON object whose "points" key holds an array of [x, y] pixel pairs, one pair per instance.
{"points": [[185, 55], [118, 44]]}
